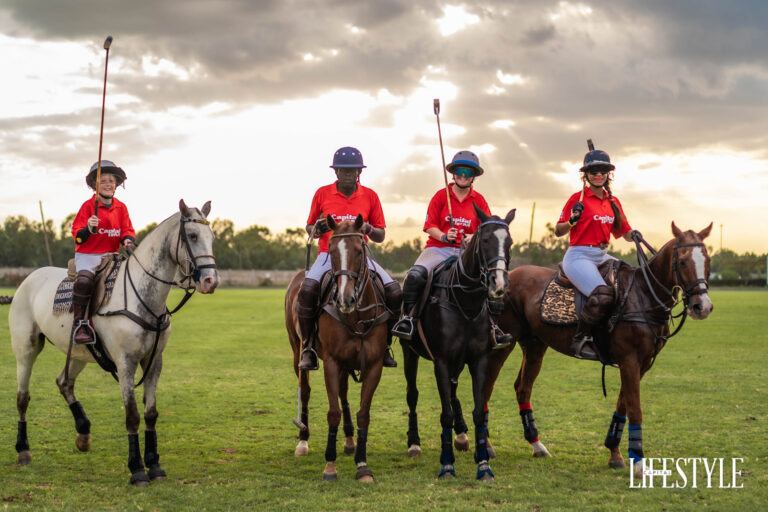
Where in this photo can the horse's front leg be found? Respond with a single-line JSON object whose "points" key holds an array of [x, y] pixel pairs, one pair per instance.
{"points": [[411, 369], [67, 390], [126, 370], [305, 390], [533, 355], [151, 456], [370, 383], [332, 378], [461, 442], [478, 369], [615, 430], [349, 428], [630, 389], [447, 459]]}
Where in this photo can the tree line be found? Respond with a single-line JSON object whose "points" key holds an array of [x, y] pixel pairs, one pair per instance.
{"points": [[257, 247]]}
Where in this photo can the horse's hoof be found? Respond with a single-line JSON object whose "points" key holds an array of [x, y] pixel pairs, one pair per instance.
{"points": [[140, 478], [491, 451], [461, 442], [484, 473], [616, 464], [364, 474], [486, 478], [414, 450], [349, 449], [24, 458], [156, 473], [447, 472], [539, 450], [301, 449], [330, 477], [83, 442]]}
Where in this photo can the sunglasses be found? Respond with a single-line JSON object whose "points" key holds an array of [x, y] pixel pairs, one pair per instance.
{"points": [[597, 171], [463, 172]]}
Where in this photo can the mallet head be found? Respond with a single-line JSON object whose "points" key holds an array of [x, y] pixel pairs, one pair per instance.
{"points": [[590, 145], [436, 105], [107, 42]]}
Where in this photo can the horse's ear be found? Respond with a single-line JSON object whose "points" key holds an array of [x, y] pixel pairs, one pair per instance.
{"points": [[676, 231], [331, 223], [480, 213], [183, 208], [510, 216], [358, 222], [704, 233], [206, 209]]}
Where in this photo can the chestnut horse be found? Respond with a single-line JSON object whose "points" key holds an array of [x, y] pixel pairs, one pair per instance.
{"points": [[352, 336], [646, 296]]}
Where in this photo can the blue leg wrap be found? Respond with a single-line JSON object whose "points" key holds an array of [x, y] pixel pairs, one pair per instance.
{"points": [[446, 454], [530, 431], [613, 438], [483, 469], [636, 442], [481, 444]]}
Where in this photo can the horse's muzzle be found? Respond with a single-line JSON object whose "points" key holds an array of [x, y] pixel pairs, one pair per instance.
{"points": [[208, 284], [700, 307]]}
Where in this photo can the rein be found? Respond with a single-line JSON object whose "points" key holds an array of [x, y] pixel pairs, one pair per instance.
{"points": [[163, 320]]}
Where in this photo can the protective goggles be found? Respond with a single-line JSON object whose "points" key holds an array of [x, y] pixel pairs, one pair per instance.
{"points": [[464, 172], [595, 172]]}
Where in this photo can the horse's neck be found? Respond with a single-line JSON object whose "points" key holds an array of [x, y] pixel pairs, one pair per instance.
{"points": [[661, 267], [152, 256]]}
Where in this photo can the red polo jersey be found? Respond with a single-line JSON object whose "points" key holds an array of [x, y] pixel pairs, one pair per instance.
{"points": [[464, 216], [114, 225], [596, 223], [363, 201]]}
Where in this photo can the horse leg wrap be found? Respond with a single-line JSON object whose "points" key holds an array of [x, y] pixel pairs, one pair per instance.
{"points": [[135, 464], [446, 453], [636, 442], [304, 432], [413, 429], [349, 429], [530, 431], [362, 440], [22, 444], [330, 447], [613, 439], [151, 457], [82, 423], [481, 445]]}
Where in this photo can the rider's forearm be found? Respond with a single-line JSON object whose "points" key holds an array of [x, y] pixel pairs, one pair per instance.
{"points": [[562, 228]]}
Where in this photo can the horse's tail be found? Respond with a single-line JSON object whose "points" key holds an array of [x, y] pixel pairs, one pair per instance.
{"points": [[5, 299]]}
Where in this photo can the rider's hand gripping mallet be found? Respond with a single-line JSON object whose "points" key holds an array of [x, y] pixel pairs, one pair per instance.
{"points": [[436, 106], [107, 44]]}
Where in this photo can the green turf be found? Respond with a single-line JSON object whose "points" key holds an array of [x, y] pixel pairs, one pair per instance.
{"points": [[228, 393]]}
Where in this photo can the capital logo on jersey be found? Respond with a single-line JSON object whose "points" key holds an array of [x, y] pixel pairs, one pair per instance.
{"points": [[109, 232], [342, 218], [459, 222], [605, 219]]}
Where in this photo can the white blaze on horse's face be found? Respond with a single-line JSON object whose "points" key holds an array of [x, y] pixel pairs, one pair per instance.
{"points": [[499, 268], [346, 287], [700, 305]]}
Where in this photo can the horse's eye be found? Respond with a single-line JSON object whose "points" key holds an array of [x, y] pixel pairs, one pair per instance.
{"points": [[682, 263], [193, 237]]}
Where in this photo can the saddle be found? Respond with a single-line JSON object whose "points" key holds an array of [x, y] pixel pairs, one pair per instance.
{"points": [[432, 276], [106, 274], [327, 303]]}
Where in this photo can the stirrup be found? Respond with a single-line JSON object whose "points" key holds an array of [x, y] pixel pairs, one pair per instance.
{"points": [[311, 363], [84, 324], [403, 329], [500, 338], [582, 347]]}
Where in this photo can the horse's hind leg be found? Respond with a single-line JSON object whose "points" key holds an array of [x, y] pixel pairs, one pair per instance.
{"points": [[461, 442], [533, 355], [411, 368], [26, 347], [67, 390], [346, 415], [302, 448], [151, 456], [613, 438]]}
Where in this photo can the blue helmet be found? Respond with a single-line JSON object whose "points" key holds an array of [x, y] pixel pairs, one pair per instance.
{"points": [[597, 158], [465, 159], [347, 157]]}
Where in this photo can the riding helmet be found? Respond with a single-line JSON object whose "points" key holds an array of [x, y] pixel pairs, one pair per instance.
{"points": [[107, 167], [597, 158], [465, 159], [347, 157]]}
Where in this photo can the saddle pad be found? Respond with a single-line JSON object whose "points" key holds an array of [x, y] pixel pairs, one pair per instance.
{"points": [[62, 301], [558, 305]]}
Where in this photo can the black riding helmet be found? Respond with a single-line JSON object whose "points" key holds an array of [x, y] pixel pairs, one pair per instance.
{"points": [[107, 167]]}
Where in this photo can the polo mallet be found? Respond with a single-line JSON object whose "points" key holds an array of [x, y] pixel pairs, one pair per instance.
{"points": [[436, 105], [107, 44], [591, 147]]}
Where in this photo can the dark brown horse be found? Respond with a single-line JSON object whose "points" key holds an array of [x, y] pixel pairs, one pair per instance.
{"points": [[352, 336], [646, 295]]}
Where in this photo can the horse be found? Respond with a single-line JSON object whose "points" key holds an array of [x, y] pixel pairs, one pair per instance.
{"points": [[456, 333], [646, 295], [352, 336], [133, 325]]}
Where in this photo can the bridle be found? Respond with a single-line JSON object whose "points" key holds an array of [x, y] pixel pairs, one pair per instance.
{"points": [[360, 277]]}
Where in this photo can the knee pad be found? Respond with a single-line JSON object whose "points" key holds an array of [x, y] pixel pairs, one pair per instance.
{"points": [[308, 298], [393, 296], [598, 304], [83, 286]]}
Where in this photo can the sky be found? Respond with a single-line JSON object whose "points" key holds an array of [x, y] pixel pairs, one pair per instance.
{"points": [[244, 102]]}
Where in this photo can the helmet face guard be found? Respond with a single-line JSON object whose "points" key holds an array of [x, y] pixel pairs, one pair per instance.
{"points": [[107, 167]]}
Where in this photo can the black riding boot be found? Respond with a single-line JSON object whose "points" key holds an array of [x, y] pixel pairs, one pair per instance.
{"points": [[81, 295], [412, 290], [393, 296], [596, 308], [308, 303]]}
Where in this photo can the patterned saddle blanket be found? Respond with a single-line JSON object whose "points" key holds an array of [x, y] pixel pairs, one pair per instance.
{"points": [[106, 274]]}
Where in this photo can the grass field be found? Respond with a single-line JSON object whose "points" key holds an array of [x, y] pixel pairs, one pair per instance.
{"points": [[228, 393]]}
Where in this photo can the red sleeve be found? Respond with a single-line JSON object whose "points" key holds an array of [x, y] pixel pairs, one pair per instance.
{"points": [[316, 209], [624, 225], [566, 213], [376, 215], [81, 219], [126, 227], [433, 211]]}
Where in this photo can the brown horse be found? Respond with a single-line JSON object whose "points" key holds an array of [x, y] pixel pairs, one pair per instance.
{"points": [[352, 336], [646, 296]]}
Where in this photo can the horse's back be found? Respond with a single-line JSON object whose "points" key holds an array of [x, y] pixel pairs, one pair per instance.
{"points": [[32, 306]]}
